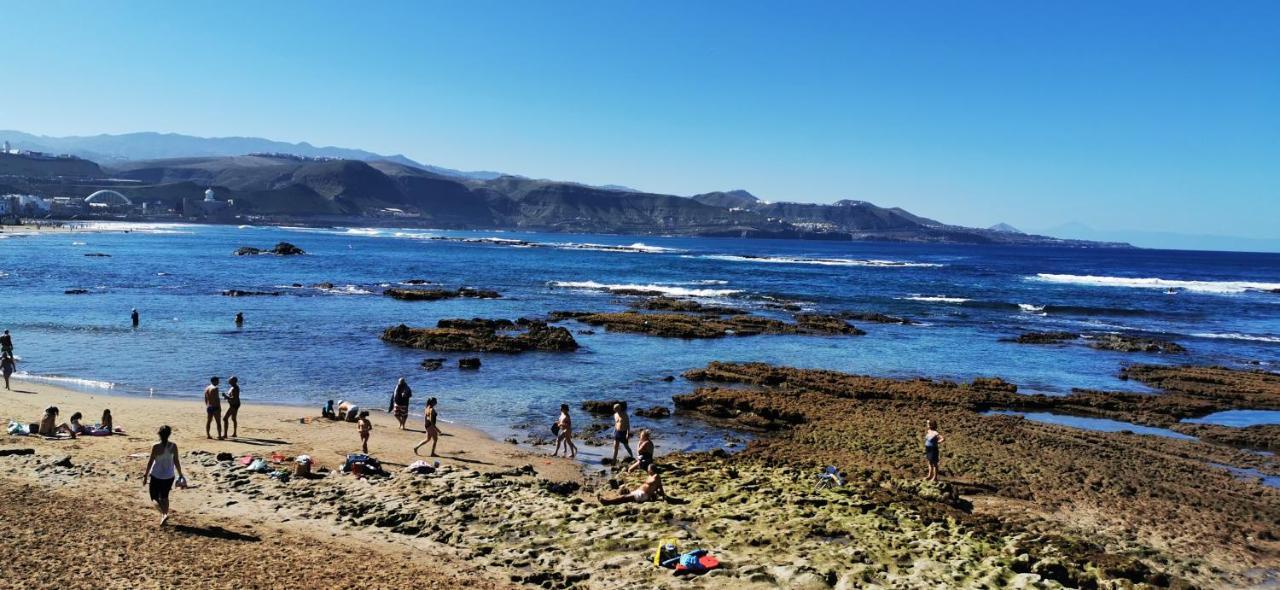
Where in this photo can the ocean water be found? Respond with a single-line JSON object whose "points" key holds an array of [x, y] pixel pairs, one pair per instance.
{"points": [[309, 345]]}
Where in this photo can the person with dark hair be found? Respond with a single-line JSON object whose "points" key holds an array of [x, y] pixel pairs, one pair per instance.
{"points": [[158, 477], [134, 316], [932, 438], [645, 450], [621, 431], [239, 318], [365, 427], [213, 408], [6, 343], [564, 433], [49, 424], [648, 491], [232, 416], [107, 422], [399, 405], [77, 426], [7, 366], [433, 432]]}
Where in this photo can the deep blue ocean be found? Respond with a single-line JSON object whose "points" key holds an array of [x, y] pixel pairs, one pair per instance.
{"points": [[311, 344]]}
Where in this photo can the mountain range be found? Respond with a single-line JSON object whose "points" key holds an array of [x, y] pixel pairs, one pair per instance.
{"points": [[280, 182]]}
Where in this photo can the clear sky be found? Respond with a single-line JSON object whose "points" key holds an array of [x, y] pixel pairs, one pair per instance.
{"points": [[1159, 116]]}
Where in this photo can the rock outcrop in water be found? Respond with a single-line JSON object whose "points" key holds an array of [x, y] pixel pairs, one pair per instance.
{"points": [[242, 293], [1127, 343], [683, 306], [480, 338], [875, 318], [1046, 337], [438, 294], [281, 249], [685, 325]]}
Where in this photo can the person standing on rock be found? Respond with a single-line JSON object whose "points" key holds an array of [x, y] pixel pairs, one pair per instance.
{"points": [[133, 315], [159, 475], [932, 438], [7, 366], [621, 431], [433, 432], [564, 434], [212, 408], [232, 416], [399, 405]]}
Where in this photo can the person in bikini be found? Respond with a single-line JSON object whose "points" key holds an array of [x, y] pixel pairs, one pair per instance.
{"points": [[232, 416], [433, 432], [564, 433], [648, 491], [212, 408]]}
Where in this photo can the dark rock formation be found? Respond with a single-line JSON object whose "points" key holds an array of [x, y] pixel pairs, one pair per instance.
{"points": [[325, 285], [682, 305], [875, 318], [432, 364], [1045, 337], [826, 324], [416, 282], [240, 293], [477, 324], [683, 325], [1127, 343], [470, 364], [538, 336], [76, 292], [98, 255], [281, 249], [993, 384], [601, 407], [438, 294], [654, 412]]}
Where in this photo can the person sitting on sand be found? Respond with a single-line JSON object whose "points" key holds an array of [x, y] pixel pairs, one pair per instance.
{"points": [[161, 467], [646, 452], [232, 416], [213, 408], [365, 427], [49, 424], [932, 438], [399, 405], [76, 425], [7, 366], [621, 431], [327, 411], [106, 421], [433, 432], [648, 491], [564, 433]]}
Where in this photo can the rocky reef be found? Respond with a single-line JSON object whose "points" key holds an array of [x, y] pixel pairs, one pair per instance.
{"points": [[1129, 343], [438, 294], [242, 293], [281, 249], [875, 318], [1161, 498], [683, 306], [1046, 337], [480, 337], [687, 325]]}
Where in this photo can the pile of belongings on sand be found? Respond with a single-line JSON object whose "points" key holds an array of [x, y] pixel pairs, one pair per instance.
{"points": [[695, 562]]}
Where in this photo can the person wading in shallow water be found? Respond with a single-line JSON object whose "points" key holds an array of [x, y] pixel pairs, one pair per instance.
{"points": [[564, 433], [212, 408], [160, 471], [932, 438], [233, 408], [399, 406], [239, 319], [6, 343], [433, 433], [133, 315]]}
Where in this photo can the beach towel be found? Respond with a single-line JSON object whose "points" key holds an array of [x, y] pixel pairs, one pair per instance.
{"points": [[258, 466], [246, 460], [17, 429]]}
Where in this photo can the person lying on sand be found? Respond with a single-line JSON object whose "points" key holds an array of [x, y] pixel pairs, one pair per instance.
{"points": [[646, 452], [648, 491], [429, 422], [49, 424], [365, 427], [213, 408]]}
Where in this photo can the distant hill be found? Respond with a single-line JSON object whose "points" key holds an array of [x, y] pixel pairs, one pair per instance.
{"points": [[1006, 228], [114, 149], [47, 166]]}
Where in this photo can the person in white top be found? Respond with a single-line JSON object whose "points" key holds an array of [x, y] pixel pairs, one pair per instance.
{"points": [[159, 474]]}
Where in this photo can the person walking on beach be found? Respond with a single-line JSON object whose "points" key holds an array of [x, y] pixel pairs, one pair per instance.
{"points": [[212, 408], [7, 366], [6, 343], [433, 432], [134, 316], [233, 408], [621, 431], [564, 433], [932, 438], [399, 405], [159, 474], [365, 427]]}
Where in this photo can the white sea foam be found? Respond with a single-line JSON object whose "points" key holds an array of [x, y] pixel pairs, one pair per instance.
{"points": [[935, 299], [138, 228], [1238, 336], [74, 381], [1029, 308], [1220, 287], [78, 243], [654, 289], [347, 290], [871, 262], [637, 247]]}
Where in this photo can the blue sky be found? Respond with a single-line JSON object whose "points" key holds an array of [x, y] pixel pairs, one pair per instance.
{"points": [[1158, 116]]}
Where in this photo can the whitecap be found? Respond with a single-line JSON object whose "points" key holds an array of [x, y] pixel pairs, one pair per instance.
{"points": [[1237, 336], [866, 262], [654, 289], [1029, 308], [1218, 287], [935, 299]]}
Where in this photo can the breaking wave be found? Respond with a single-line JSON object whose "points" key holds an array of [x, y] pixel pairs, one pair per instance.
{"points": [[1219, 287], [1238, 336], [870, 262], [936, 299], [650, 289], [73, 381]]}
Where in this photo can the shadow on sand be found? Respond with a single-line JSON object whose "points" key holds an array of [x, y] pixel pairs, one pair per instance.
{"points": [[215, 532]]}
